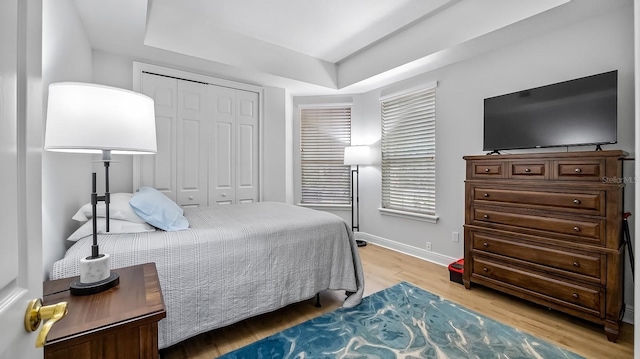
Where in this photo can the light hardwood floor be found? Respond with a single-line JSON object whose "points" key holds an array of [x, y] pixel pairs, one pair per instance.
{"points": [[384, 268]]}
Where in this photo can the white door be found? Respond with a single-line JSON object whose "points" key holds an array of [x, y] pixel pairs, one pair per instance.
{"points": [[20, 178], [246, 147], [159, 170], [192, 138], [222, 174]]}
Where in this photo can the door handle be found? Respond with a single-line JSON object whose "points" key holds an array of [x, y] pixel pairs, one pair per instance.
{"points": [[36, 313]]}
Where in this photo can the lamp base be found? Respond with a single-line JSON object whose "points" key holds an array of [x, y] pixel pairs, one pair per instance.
{"points": [[79, 288]]}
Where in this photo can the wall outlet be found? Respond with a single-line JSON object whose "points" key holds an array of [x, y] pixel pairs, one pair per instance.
{"points": [[428, 246], [455, 236]]}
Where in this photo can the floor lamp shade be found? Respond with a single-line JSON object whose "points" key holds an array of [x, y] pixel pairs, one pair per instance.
{"points": [[90, 118], [357, 155]]}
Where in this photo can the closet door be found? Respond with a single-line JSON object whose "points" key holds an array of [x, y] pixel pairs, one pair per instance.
{"points": [[234, 155], [159, 170], [246, 146], [194, 112], [222, 174]]}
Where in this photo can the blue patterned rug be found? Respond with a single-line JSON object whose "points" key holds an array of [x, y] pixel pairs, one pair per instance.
{"points": [[403, 321]]}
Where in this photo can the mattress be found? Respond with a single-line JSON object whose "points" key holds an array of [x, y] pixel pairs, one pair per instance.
{"points": [[235, 262]]}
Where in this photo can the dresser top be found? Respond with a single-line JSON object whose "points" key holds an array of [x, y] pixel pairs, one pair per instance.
{"points": [[551, 155]]}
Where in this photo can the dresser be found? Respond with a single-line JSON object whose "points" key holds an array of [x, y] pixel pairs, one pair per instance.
{"points": [[546, 227]]}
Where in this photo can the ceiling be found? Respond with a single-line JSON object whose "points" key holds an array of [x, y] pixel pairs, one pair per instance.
{"points": [[320, 47]]}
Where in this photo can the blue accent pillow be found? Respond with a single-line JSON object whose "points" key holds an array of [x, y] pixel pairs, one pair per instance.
{"points": [[158, 210]]}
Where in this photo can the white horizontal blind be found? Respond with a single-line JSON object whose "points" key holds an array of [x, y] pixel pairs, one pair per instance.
{"points": [[324, 133], [409, 152]]}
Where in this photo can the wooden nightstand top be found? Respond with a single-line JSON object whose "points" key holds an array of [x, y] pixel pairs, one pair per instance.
{"points": [[137, 299]]}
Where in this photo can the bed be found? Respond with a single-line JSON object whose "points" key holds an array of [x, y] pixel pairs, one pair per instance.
{"points": [[235, 262]]}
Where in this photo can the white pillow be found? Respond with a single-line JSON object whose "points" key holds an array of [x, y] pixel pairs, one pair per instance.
{"points": [[115, 226], [119, 208]]}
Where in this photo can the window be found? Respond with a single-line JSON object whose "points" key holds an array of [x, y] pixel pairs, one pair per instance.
{"points": [[409, 153], [324, 133]]}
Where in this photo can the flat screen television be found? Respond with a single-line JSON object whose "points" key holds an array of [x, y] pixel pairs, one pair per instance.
{"points": [[578, 112]]}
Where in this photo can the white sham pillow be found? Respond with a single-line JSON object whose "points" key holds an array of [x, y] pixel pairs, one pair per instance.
{"points": [[119, 208], [115, 226]]}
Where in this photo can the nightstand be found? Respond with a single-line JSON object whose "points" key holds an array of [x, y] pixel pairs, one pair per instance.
{"points": [[121, 322]]}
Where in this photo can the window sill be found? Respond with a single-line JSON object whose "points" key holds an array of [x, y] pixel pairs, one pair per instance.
{"points": [[408, 215], [339, 207]]}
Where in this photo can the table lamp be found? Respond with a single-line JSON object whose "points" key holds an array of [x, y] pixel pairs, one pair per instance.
{"points": [[356, 155], [90, 118]]}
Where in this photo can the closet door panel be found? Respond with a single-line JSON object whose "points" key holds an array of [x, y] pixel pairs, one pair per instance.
{"points": [[222, 175], [247, 147], [159, 170], [162, 166], [192, 141]]}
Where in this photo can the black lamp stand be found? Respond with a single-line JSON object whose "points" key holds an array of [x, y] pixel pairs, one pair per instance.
{"points": [[355, 206], [77, 287]]}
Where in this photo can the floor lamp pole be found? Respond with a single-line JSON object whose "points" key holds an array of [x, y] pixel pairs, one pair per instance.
{"points": [[355, 205]]}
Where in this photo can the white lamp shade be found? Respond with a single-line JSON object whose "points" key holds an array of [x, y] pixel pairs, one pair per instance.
{"points": [[89, 118], [357, 155]]}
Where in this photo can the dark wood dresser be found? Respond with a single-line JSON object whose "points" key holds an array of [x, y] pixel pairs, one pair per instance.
{"points": [[546, 227]]}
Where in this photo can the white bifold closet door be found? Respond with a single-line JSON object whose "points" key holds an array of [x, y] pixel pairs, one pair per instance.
{"points": [[233, 175], [207, 142]]}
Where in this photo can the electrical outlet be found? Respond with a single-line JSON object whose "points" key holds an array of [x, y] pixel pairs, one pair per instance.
{"points": [[429, 246], [455, 237]]}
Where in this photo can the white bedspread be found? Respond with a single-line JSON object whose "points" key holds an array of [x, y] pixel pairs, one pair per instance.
{"points": [[235, 262]]}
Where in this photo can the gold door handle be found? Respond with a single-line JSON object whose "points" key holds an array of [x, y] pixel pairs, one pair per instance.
{"points": [[36, 313]]}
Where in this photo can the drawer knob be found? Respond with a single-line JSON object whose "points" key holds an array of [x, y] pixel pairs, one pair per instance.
{"points": [[527, 170], [485, 269], [486, 195], [486, 170], [575, 295], [485, 244], [577, 170], [486, 216], [576, 228], [576, 201], [190, 197], [576, 264]]}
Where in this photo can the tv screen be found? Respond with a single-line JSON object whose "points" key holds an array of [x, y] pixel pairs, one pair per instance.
{"points": [[577, 112]]}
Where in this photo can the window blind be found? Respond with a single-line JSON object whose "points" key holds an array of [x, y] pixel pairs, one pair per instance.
{"points": [[324, 133], [409, 152]]}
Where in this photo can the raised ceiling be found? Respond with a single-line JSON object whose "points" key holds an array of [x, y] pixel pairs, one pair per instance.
{"points": [[319, 47]]}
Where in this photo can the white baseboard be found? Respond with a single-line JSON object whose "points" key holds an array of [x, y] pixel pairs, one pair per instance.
{"points": [[440, 259], [406, 249], [628, 314]]}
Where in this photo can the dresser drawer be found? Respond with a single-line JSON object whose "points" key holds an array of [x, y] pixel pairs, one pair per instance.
{"points": [[585, 230], [568, 292], [587, 203], [590, 265], [583, 170], [529, 170], [487, 169]]}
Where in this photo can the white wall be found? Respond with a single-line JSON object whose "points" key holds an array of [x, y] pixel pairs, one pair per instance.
{"points": [[66, 178], [274, 146], [588, 47]]}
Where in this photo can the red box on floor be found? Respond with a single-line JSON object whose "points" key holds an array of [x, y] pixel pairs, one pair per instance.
{"points": [[455, 271]]}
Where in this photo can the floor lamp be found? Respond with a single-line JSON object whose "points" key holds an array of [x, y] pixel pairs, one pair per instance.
{"points": [[356, 156], [89, 118]]}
